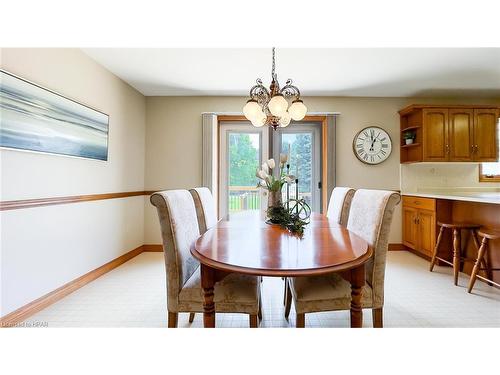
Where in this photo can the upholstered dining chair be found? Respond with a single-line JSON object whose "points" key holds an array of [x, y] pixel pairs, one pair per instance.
{"points": [[338, 210], [205, 208], [179, 229], [340, 203], [370, 217], [207, 217]]}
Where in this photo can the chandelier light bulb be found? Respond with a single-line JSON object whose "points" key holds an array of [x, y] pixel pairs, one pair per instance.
{"points": [[285, 120], [259, 119], [297, 110], [251, 109], [278, 105]]}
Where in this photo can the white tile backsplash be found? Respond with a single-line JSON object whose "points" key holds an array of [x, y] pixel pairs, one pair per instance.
{"points": [[453, 176]]}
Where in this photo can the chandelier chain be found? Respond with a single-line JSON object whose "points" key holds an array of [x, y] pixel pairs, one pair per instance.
{"points": [[273, 74]]}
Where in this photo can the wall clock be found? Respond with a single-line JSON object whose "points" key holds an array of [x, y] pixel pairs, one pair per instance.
{"points": [[372, 145]]}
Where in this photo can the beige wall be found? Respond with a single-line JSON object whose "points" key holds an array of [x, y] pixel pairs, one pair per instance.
{"points": [[43, 248], [174, 142]]}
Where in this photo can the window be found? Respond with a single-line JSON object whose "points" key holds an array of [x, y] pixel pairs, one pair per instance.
{"points": [[490, 172]]}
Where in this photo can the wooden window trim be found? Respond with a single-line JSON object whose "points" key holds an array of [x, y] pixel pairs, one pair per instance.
{"points": [[323, 119], [483, 178]]}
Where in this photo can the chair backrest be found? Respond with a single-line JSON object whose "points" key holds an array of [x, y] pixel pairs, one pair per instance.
{"points": [[340, 203], [205, 208], [370, 218], [179, 229]]}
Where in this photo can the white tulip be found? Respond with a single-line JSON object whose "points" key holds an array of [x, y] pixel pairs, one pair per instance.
{"points": [[283, 158], [262, 175], [271, 163], [265, 167], [290, 179]]}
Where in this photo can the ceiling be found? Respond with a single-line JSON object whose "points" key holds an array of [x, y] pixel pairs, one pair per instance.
{"points": [[390, 72]]}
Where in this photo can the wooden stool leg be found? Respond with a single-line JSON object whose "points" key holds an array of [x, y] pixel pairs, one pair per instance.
{"points": [[191, 317], [477, 265], [300, 321], [436, 248], [253, 321], [457, 246], [172, 320], [377, 318], [484, 264]]}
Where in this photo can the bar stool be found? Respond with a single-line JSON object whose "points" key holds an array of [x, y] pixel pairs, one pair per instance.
{"points": [[487, 234], [457, 246]]}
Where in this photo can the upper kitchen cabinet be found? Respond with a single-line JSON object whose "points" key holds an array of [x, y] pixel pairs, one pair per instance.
{"points": [[436, 133], [485, 134]]}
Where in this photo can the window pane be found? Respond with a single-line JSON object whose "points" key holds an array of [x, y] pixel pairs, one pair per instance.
{"points": [[301, 159], [244, 151]]}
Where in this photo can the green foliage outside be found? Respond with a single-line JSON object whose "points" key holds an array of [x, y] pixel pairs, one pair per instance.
{"points": [[301, 156]]}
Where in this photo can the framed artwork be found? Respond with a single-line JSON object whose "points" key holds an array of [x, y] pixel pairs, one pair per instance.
{"points": [[33, 118]]}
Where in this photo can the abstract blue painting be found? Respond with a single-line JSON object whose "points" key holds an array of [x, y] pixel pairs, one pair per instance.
{"points": [[37, 119]]}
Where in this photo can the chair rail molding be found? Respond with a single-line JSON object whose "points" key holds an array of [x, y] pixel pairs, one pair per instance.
{"points": [[40, 202]]}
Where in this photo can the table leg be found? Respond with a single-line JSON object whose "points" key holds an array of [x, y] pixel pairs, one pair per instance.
{"points": [[357, 283], [207, 283]]}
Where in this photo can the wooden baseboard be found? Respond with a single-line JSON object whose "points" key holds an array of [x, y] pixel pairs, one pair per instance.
{"points": [[24, 312], [397, 247], [153, 248]]}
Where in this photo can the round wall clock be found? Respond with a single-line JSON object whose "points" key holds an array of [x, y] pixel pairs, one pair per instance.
{"points": [[372, 145]]}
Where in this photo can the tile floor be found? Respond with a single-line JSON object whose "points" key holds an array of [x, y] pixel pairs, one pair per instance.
{"points": [[133, 295]]}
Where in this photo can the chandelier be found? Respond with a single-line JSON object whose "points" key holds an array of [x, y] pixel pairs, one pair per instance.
{"points": [[271, 107]]}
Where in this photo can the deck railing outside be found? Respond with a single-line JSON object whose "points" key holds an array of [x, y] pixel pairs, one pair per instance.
{"points": [[248, 198]]}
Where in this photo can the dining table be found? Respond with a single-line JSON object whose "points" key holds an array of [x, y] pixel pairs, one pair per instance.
{"points": [[245, 243]]}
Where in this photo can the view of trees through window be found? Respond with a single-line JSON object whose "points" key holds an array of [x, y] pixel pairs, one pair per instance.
{"points": [[300, 160], [243, 161], [244, 150]]}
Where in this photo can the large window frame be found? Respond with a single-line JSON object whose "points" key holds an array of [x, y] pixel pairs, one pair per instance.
{"points": [[211, 124]]}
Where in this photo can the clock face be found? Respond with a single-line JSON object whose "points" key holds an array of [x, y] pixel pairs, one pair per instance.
{"points": [[372, 145]]}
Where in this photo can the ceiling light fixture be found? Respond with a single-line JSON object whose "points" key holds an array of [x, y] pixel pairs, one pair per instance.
{"points": [[271, 107]]}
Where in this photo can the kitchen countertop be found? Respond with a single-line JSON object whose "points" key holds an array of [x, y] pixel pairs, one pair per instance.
{"points": [[492, 197]]}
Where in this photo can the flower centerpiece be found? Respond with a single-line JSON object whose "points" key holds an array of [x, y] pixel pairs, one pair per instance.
{"points": [[272, 183], [294, 213]]}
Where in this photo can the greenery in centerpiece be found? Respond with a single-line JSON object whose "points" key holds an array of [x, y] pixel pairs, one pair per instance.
{"points": [[294, 213]]}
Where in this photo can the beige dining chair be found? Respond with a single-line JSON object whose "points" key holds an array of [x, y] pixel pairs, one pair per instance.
{"points": [[338, 210], [340, 203], [205, 208], [370, 217], [207, 218], [179, 229]]}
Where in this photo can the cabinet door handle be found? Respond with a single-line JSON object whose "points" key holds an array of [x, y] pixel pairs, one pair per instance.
{"points": [[447, 149]]}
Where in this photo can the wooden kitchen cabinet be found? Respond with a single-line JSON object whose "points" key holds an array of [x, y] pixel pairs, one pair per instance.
{"points": [[435, 126], [420, 217], [461, 134], [419, 221], [485, 135], [450, 133], [410, 235]]}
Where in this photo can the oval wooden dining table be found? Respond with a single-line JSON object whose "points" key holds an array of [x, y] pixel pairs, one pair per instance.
{"points": [[244, 243]]}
